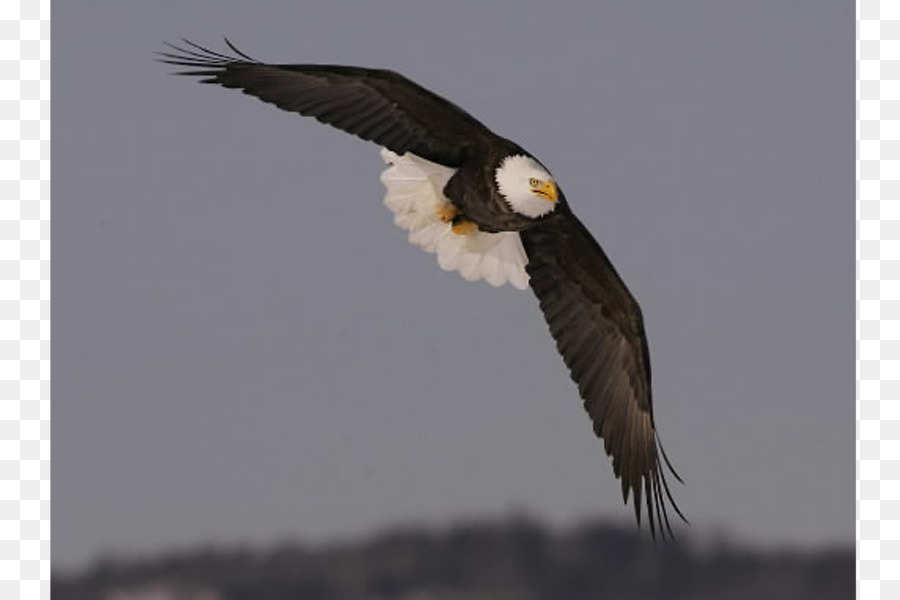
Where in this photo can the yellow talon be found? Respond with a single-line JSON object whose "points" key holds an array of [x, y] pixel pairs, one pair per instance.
{"points": [[447, 212], [464, 227]]}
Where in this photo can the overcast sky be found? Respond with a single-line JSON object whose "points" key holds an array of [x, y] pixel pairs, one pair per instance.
{"points": [[247, 349]]}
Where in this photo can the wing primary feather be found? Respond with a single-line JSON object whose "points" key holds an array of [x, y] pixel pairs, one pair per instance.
{"points": [[666, 512], [204, 57], [186, 56], [651, 491], [188, 60], [665, 485], [661, 516], [180, 60], [665, 456], [239, 53], [208, 52], [625, 449], [637, 502]]}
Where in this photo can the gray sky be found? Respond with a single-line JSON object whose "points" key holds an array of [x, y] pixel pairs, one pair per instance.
{"points": [[247, 349]]}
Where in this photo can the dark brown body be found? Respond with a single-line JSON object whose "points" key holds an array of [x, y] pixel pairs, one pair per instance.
{"points": [[474, 192]]}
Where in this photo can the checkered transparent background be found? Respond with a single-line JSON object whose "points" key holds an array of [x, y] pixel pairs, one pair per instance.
{"points": [[24, 298], [878, 290]]}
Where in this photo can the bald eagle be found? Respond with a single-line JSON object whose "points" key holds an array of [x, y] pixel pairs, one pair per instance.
{"points": [[489, 210]]}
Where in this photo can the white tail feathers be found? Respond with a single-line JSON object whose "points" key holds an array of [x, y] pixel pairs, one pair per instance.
{"points": [[415, 195]]}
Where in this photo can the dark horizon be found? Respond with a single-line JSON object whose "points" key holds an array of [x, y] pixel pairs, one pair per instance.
{"points": [[688, 538], [517, 557]]}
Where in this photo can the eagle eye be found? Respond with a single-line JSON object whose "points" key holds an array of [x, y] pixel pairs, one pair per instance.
{"points": [[533, 182]]}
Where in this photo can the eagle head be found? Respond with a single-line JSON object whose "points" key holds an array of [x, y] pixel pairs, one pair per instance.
{"points": [[526, 186]]}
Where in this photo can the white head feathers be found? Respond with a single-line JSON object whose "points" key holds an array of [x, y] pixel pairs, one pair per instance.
{"points": [[519, 179]]}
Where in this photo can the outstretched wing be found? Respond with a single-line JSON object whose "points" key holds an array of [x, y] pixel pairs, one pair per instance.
{"points": [[377, 105], [599, 331]]}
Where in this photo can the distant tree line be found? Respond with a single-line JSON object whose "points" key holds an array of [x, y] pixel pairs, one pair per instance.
{"points": [[515, 559]]}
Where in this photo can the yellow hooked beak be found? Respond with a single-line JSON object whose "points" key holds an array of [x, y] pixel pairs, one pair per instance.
{"points": [[546, 190]]}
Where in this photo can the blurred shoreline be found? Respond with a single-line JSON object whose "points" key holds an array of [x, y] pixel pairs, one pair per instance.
{"points": [[514, 557]]}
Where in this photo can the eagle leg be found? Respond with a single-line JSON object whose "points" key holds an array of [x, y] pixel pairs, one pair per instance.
{"points": [[463, 226], [447, 212]]}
